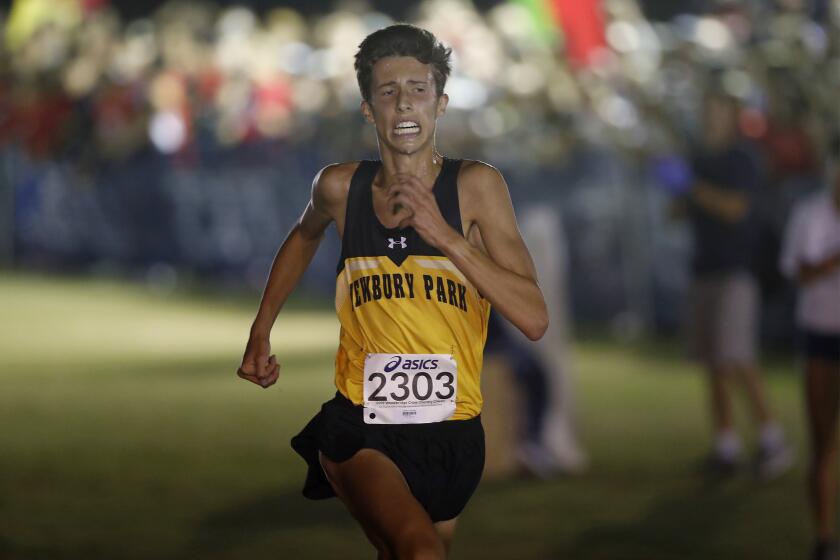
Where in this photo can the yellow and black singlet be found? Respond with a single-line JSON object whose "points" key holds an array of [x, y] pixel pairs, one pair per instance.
{"points": [[396, 294]]}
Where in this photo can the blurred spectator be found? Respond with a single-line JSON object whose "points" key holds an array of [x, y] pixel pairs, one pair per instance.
{"points": [[548, 443], [724, 295], [792, 144], [811, 258]]}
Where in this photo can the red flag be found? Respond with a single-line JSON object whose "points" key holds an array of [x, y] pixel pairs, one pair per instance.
{"points": [[582, 22]]}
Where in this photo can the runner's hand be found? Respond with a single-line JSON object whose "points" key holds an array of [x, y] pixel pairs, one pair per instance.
{"points": [[418, 202], [257, 365]]}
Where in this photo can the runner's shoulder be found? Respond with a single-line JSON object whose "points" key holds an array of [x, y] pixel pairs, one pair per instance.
{"points": [[332, 183], [477, 179]]}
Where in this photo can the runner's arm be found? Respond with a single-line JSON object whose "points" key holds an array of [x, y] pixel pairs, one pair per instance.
{"points": [[289, 264], [294, 256], [505, 274]]}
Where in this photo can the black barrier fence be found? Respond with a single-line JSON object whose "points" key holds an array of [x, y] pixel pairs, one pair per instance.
{"points": [[222, 221]]}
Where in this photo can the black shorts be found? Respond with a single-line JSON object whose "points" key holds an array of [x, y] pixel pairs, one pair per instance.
{"points": [[442, 462], [821, 346]]}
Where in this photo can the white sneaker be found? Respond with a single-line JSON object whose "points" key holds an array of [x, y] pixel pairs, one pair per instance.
{"points": [[773, 461], [537, 461]]}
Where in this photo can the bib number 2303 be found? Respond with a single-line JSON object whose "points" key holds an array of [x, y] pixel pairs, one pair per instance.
{"points": [[409, 388]]}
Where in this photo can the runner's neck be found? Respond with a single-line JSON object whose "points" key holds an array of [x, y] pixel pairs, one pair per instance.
{"points": [[424, 165]]}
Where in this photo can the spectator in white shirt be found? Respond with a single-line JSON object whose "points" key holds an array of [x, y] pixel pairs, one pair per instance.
{"points": [[811, 257]]}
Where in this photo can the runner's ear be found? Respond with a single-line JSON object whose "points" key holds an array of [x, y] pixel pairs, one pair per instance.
{"points": [[366, 111], [442, 102]]}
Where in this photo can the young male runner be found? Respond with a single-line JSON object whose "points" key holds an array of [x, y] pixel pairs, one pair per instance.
{"points": [[428, 244]]}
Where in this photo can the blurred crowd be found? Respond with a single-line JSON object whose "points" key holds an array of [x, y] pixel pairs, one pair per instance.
{"points": [[592, 107], [77, 82]]}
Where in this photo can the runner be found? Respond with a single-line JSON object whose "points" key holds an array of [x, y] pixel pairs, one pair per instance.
{"points": [[811, 257], [428, 244]]}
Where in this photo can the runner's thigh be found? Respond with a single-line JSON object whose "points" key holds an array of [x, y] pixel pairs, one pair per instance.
{"points": [[377, 494]]}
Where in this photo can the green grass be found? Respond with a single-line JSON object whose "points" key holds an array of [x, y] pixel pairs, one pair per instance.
{"points": [[124, 434]]}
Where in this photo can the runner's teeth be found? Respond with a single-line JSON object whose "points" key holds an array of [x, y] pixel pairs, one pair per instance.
{"points": [[407, 128]]}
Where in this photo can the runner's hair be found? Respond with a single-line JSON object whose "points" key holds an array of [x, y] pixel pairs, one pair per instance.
{"points": [[402, 39]]}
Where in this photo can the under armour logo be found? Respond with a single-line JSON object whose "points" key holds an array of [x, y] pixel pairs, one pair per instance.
{"points": [[392, 242]]}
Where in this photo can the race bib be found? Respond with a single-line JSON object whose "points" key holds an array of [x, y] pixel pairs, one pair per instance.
{"points": [[409, 388]]}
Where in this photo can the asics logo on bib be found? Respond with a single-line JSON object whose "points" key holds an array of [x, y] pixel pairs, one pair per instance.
{"points": [[409, 365], [393, 243]]}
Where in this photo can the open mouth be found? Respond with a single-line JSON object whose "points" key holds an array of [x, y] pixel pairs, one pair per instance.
{"points": [[406, 128]]}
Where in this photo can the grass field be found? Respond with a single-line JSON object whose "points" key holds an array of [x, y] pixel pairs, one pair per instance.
{"points": [[124, 434]]}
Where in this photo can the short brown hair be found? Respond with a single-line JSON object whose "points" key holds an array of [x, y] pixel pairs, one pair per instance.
{"points": [[402, 39]]}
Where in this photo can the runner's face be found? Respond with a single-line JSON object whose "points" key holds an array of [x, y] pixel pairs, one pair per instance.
{"points": [[404, 104]]}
